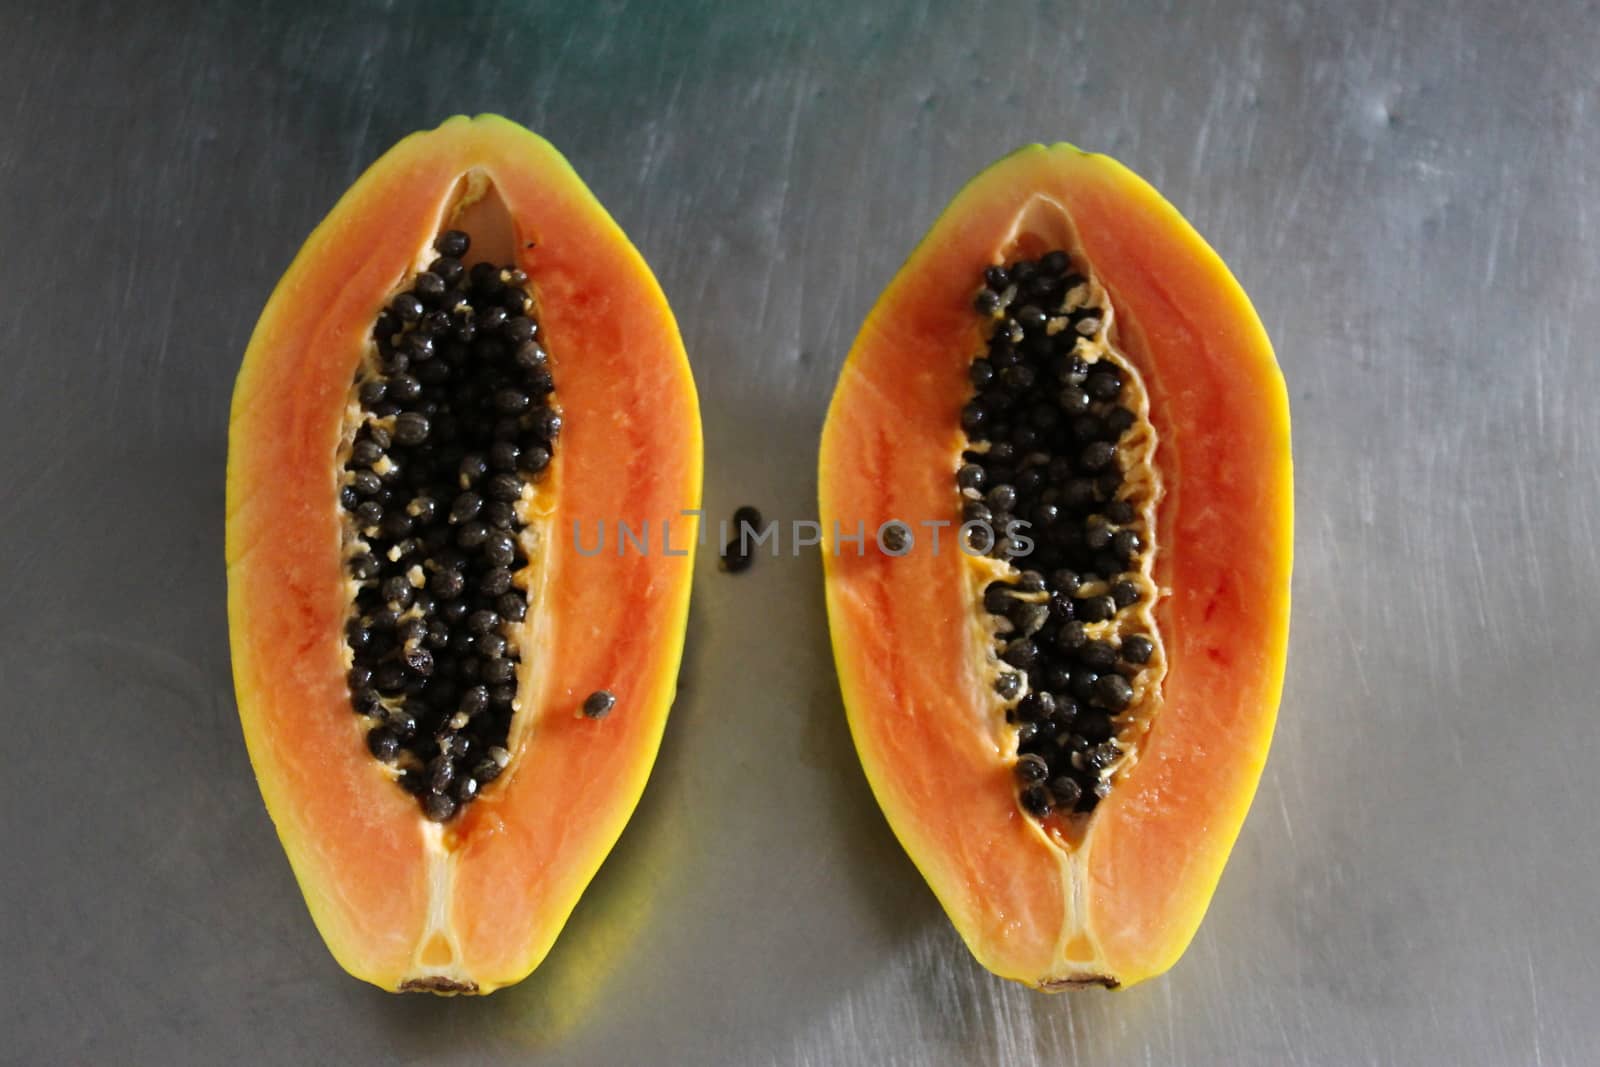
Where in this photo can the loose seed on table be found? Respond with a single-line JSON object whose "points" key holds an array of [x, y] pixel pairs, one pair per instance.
{"points": [[738, 554]]}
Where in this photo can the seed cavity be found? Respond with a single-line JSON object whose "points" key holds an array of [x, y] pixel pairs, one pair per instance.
{"points": [[453, 419], [1057, 439]]}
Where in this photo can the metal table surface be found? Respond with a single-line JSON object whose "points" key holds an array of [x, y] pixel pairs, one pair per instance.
{"points": [[1407, 190]]}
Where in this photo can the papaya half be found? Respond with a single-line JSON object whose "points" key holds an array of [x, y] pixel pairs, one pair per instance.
{"points": [[451, 696], [1056, 492]]}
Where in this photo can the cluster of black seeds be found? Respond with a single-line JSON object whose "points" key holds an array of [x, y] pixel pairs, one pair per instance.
{"points": [[457, 420], [1045, 426]]}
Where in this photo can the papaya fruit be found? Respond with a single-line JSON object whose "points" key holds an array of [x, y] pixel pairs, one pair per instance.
{"points": [[450, 698], [1063, 704]]}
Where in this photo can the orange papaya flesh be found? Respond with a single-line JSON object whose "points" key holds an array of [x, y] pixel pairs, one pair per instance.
{"points": [[1111, 893], [473, 902]]}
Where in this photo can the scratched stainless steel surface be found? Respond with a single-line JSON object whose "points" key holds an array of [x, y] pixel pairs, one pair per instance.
{"points": [[1408, 191]]}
